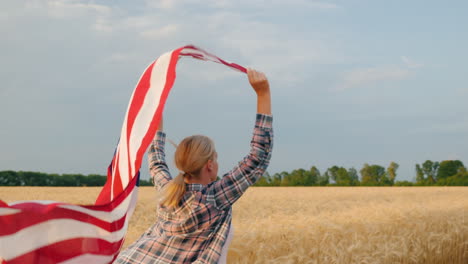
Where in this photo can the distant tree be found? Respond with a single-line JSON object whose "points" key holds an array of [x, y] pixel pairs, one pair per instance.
{"points": [[419, 175], [391, 172], [30, 178], [384, 180], [324, 179], [372, 175], [459, 179], [449, 168], [9, 178], [447, 172], [339, 175], [307, 178], [404, 183], [97, 180], [69, 180], [353, 177], [145, 182], [314, 175], [80, 180], [296, 178], [267, 177], [277, 178], [426, 174], [52, 179], [430, 169], [264, 180]]}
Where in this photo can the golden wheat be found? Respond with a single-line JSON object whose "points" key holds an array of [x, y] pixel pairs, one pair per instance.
{"points": [[322, 225]]}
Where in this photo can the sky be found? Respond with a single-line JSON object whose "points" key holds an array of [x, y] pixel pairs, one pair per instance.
{"points": [[353, 82]]}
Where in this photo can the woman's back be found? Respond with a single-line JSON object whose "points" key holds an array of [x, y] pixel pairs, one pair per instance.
{"points": [[194, 218], [193, 233]]}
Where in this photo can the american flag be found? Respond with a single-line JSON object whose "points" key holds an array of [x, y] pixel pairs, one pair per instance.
{"points": [[56, 232]]}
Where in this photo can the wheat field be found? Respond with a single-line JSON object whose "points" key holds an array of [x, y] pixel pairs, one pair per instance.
{"points": [[321, 224]]}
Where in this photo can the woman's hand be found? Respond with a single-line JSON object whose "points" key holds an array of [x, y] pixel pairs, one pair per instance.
{"points": [[258, 81], [260, 84]]}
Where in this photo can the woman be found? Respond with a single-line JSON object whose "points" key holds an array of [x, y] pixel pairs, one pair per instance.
{"points": [[194, 213]]}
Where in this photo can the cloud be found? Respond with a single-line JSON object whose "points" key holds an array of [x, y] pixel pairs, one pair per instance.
{"points": [[98, 17], [362, 77], [410, 63], [163, 32], [162, 4], [279, 4], [366, 76], [230, 32], [69, 9], [320, 5], [91, 53], [241, 4], [262, 45], [249, 41]]}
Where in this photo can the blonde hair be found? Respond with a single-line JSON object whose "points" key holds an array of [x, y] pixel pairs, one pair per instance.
{"points": [[190, 157]]}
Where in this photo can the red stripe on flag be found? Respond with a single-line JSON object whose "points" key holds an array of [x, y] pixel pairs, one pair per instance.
{"points": [[117, 187], [135, 106], [170, 78], [34, 212], [67, 249], [26, 219], [117, 199], [201, 57], [105, 193]]}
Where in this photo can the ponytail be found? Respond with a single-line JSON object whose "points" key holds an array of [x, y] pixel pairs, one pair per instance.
{"points": [[190, 156], [173, 192]]}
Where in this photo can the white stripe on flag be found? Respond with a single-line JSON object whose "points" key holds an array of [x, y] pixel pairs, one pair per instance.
{"points": [[44, 202], [32, 238], [9, 211], [114, 215], [114, 168], [88, 259], [122, 165], [149, 107]]}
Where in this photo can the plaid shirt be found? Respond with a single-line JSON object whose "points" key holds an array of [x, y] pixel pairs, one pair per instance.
{"points": [[195, 232]]}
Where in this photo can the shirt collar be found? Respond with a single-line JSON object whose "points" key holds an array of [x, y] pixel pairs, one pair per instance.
{"points": [[194, 186]]}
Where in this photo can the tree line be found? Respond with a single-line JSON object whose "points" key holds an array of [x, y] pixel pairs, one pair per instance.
{"points": [[30, 178], [444, 173]]}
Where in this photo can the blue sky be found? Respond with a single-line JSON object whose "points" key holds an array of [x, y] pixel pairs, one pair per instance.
{"points": [[353, 82]]}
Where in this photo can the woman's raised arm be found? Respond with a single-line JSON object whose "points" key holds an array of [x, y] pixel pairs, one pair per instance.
{"points": [[157, 159], [249, 170], [260, 84]]}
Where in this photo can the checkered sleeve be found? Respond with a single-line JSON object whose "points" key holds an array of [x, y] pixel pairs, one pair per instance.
{"points": [[249, 170], [157, 162]]}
